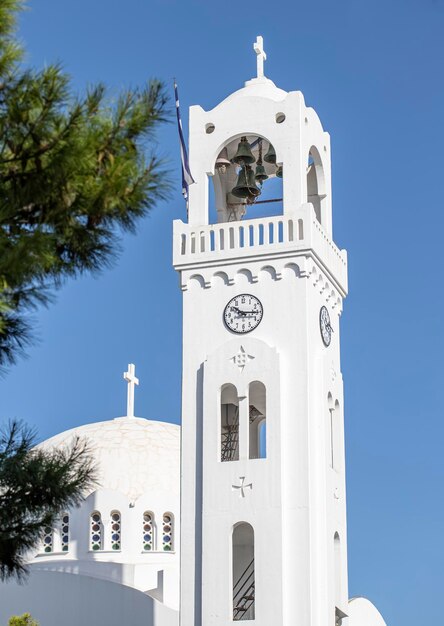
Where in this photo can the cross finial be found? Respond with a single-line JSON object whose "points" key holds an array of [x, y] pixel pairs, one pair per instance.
{"points": [[130, 377], [261, 56]]}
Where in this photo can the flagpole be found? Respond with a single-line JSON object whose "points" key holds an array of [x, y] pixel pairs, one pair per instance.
{"points": [[187, 178]]}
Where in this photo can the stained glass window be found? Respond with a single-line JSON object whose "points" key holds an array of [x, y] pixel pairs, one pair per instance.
{"points": [[167, 532], [65, 532], [48, 539], [148, 531], [96, 531], [116, 530]]}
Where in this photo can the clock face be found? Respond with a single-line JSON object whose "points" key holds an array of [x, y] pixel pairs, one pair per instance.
{"points": [[325, 326], [243, 313]]}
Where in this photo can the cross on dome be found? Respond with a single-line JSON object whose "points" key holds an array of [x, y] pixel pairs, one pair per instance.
{"points": [[258, 47], [130, 377]]}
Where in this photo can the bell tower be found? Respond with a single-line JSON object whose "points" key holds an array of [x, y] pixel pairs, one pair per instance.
{"points": [[263, 470]]}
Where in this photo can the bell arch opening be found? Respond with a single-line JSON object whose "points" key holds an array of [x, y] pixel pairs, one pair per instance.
{"points": [[257, 420], [247, 181], [243, 572], [316, 193], [229, 423]]}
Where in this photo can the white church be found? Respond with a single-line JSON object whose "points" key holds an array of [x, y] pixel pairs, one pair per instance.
{"points": [[240, 513]]}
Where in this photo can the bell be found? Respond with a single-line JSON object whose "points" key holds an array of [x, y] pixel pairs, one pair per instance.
{"points": [[246, 185], [222, 161], [270, 157], [260, 174], [279, 171], [243, 154]]}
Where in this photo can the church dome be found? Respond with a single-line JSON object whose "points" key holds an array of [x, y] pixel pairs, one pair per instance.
{"points": [[133, 455]]}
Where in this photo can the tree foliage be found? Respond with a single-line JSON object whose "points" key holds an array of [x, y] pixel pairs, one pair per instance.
{"points": [[22, 620], [73, 171], [36, 484]]}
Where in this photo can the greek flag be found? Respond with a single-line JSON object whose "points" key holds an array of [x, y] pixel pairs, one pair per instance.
{"points": [[187, 179]]}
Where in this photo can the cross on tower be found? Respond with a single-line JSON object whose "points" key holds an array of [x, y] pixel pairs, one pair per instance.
{"points": [[131, 379], [242, 486], [261, 56]]}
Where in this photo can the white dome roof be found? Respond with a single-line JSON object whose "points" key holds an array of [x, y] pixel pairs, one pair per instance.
{"points": [[133, 455]]}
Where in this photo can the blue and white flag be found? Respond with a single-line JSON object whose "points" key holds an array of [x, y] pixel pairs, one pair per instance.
{"points": [[187, 179]]}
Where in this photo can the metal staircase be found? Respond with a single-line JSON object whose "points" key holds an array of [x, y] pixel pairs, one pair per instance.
{"points": [[243, 595], [230, 438]]}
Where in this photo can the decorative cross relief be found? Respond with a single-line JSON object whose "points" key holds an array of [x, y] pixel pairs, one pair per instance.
{"points": [[130, 377], [242, 487], [260, 54], [241, 358]]}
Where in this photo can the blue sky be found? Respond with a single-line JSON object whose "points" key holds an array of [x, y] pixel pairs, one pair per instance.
{"points": [[373, 71]]}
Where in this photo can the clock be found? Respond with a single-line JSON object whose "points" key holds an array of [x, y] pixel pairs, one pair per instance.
{"points": [[243, 313], [325, 326]]}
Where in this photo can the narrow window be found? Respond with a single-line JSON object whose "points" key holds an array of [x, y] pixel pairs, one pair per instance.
{"points": [[334, 434], [258, 421], [229, 417], [48, 539], [315, 182], [337, 569], [337, 448], [96, 534], [148, 531], [331, 411], [116, 530], [64, 534], [243, 572], [167, 532]]}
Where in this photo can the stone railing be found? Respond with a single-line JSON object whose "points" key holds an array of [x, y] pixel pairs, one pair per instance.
{"points": [[199, 245]]}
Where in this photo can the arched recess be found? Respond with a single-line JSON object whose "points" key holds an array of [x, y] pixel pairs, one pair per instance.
{"points": [[229, 423], [334, 433], [230, 172], [337, 570], [316, 189], [196, 280], [243, 572], [219, 278], [336, 437], [244, 276], [330, 421], [257, 420]]}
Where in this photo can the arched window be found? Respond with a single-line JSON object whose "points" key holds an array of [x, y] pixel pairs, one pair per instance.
{"points": [[229, 422], [258, 421], [331, 410], [48, 540], [243, 572], [337, 569], [315, 182], [116, 530], [96, 532], [64, 532], [167, 532], [148, 531], [334, 433]]}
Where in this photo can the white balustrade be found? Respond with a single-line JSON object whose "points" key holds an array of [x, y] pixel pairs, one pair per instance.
{"points": [[237, 239]]}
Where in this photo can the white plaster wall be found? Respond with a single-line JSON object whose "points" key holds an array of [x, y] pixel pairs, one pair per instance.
{"points": [[59, 598], [303, 514]]}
